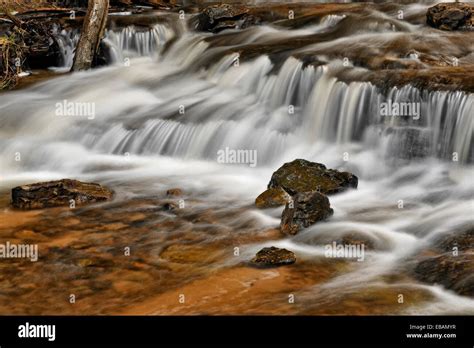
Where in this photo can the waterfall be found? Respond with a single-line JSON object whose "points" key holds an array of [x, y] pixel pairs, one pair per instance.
{"points": [[133, 41], [192, 100], [248, 107], [251, 107], [160, 123], [122, 43]]}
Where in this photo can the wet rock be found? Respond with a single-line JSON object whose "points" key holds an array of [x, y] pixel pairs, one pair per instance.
{"points": [[396, 63], [305, 176], [223, 25], [463, 241], [453, 272], [250, 20], [58, 193], [303, 211], [174, 192], [43, 54], [273, 257], [273, 197], [223, 16], [451, 16], [450, 262], [170, 206]]}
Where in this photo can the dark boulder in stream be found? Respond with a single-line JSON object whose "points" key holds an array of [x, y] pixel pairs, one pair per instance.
{"points": [[307, 184], [303, 211], [451, 16], [305, 176], [58, 193]]}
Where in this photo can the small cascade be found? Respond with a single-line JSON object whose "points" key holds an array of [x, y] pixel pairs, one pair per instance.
{"points": [[128, 42], [132, 41], [67, 41], [250, 107], [332, 20], [272, 107]]}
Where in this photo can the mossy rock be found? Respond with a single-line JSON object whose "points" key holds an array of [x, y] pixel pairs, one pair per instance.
{"points": [[268, 257], [271, 198], [305, 176]]}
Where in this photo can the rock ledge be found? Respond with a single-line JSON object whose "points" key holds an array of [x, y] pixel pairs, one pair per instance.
{"points": [[58, 194]]}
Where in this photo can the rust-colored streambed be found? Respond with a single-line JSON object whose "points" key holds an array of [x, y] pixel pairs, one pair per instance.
{"points": [[176, 265]]}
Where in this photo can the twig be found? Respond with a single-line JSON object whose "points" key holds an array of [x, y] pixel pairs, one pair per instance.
{"points": [[17, 22]]}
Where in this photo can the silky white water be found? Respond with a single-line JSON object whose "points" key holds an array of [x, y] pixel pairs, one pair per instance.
{"points": [[159, 121]]}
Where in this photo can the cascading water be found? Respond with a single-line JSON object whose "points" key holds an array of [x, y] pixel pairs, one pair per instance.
{"points": [[67, 41], [132, 42], [247, 107], [121, 43], [153, 114]]}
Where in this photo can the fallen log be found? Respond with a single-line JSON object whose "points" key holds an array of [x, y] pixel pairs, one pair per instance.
{"points": [[50, 13]]}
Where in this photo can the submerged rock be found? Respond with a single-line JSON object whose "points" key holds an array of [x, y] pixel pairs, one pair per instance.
{"points": [[357, 239], [304, 210], [274, 257], [58, 193], [174, 192], [305, 176], [451, 16], [273, 197]]}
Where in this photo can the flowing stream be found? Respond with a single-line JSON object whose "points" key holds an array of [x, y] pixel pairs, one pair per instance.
{"points": [[159, 120]]}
